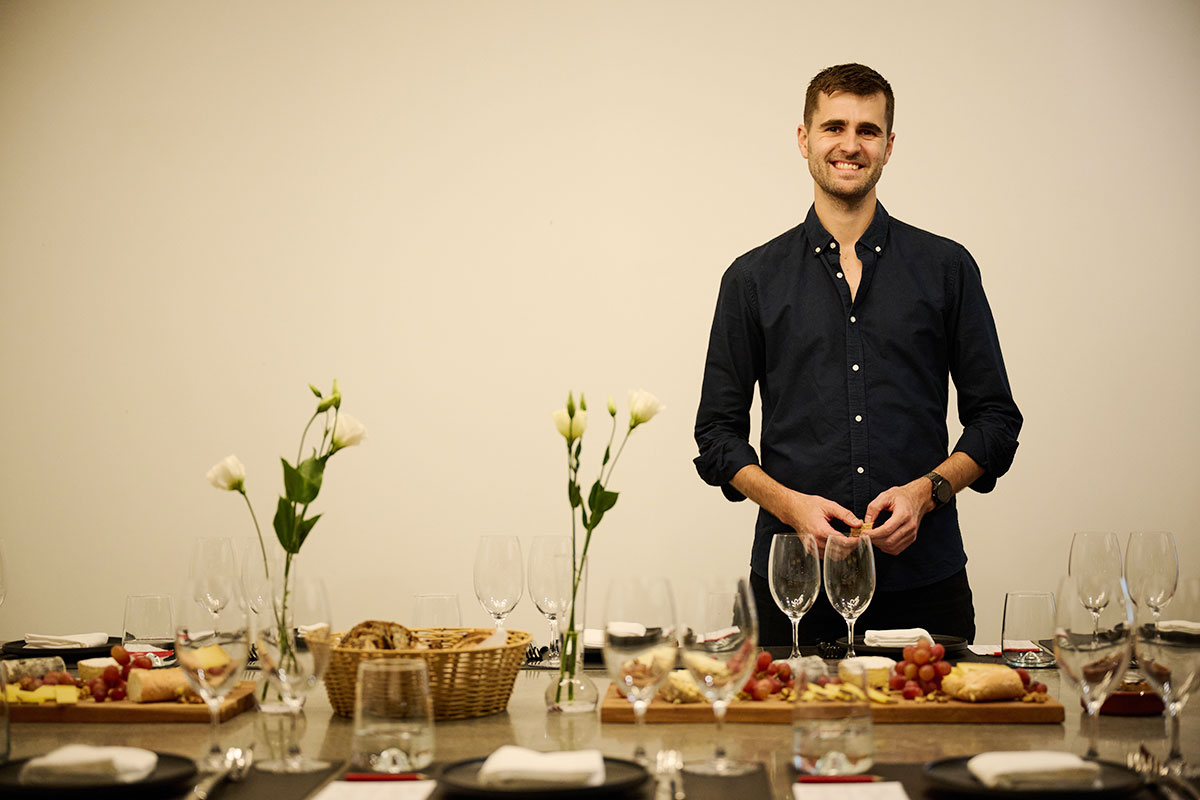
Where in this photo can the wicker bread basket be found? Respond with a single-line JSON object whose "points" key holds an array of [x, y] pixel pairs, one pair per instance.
{"points": [[472, 682]]}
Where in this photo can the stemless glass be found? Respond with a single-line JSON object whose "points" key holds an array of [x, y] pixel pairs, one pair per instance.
{"points": [[639, 644], [1151, 569], [795, 579], [212, 648], [213, 573], [1095, 564], [550, 583], [1168, 654], [1093, 648], [293, 638], [849, 579], [719, 650], [499, 575]]}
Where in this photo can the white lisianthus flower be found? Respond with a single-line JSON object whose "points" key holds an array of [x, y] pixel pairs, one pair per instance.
{"points": [[347, 431], [228, 474], [642, 407], [570, 427]]}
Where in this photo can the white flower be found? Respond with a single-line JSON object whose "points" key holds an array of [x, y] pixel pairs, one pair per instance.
{"points": [[570, 427], [228, 474], [347, 431], [642, 407]]}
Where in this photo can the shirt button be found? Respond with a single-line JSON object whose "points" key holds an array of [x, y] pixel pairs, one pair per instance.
{"points": [[860, 470], [878, 249], [833, 245], [818, 250], [858, 417], [839, 274], [854, 367], [853, 319]]}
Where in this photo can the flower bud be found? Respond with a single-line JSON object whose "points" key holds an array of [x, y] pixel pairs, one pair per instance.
{"points": [[642, 407], [571, 427], [228, 474]]}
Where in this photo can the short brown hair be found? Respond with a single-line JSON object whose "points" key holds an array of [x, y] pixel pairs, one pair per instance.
{"points": [[852, 78]]}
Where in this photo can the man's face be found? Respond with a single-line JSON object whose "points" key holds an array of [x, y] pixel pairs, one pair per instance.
{"points": [[847, 144]]}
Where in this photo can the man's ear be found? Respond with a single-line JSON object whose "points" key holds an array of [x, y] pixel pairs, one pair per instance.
{"points": [[802, 140], [887, 154]]}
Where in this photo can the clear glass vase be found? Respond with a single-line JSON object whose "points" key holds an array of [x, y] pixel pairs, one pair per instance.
{"points": [[572, 691]]}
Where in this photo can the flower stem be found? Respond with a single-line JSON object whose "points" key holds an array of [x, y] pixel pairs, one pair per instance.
{"points": [[258, 530], [303, 436]]}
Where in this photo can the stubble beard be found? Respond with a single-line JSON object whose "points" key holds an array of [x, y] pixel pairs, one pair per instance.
{"points": [[850, 195]]}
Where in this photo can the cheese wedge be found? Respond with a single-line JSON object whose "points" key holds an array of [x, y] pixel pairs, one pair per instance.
{"points": [[92, 668], [878, 668]]}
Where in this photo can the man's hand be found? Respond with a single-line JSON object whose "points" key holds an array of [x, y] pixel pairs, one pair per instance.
{"points": [[908, 504], [804, 513]]}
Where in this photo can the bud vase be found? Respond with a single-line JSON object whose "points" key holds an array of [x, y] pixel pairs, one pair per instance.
{"points": [[572, 691]]}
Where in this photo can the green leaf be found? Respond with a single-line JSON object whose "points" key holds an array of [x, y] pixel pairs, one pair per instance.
{"points": [[573, 493], [599, 501], [285, 525], [303, 529], [606, 452], [302, 484]]}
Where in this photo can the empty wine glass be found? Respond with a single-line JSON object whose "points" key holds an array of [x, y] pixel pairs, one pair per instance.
{"points": [[499, 575], [719, 650], [639, 644], [212, 647], [795, 579], [1168, 654], [849, 579], [293, 638], [1095, 563], [1093, 648], [1151, 569], [213, 573], [550, 583]]}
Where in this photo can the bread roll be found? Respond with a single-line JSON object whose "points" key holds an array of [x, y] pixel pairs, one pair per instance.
{"points": [[376, 635], [155, 685], [981, 682]]}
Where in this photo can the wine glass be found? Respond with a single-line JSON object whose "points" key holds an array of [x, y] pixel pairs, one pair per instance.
{"points": [[550, 583], [1095, 563], [1093, 648], [849, 579], [213, 573], [293, 638], [719, 650], [1151, 569], [212, 647], [1168, 654], [3, 582], [499, 575], [639, 644], [795, 579]]}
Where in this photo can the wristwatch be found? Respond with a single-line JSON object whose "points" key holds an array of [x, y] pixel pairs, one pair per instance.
{"points": [[942, 492]]}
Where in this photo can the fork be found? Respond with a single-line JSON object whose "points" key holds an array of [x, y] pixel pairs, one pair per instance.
{"points": [[237, 765], [667, 765], [1146, 763]]}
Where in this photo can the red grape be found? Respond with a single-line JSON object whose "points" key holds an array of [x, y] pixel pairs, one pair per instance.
{"points": [[764, 661], [909, 649], [822, 680], [896, 682], [910, 670], [785, 670], [911, 692], [924, 642], [120, 654], [936, 652], [143, 662], [125, 671], [117, 693], [900, 667], [926, 672], [112, 674], [1040, 688], [943, 668], [761, 690], [920, 656], [1023, 674]]}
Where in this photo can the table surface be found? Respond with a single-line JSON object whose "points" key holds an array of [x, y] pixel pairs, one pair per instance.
{"points": [[527, 723]]}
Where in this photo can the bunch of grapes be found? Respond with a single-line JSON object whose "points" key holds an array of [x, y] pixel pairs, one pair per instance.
{"points": [[921, 671], [111, 685], [770, 677]]}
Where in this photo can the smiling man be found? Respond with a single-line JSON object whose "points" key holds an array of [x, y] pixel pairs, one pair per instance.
{"points": [[851, 325]]}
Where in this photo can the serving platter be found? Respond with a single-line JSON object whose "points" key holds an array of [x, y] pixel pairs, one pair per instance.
{"points": [[69, 655], [237, 701], [615, 708], [171, 775]]}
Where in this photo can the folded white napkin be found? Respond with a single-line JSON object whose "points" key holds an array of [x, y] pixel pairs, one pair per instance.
{"points": [[47, 640], [511, 764], [625, 629], [1179, 626], [83, 764], [593, 637], [895, 637], [1024, 769]]}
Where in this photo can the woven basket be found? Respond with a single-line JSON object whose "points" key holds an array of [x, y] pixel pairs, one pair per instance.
{"points": [[466, 683]]}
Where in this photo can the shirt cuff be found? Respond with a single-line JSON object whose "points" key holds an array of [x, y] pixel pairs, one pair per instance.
{"points": [[719, 464], [995, 463]]}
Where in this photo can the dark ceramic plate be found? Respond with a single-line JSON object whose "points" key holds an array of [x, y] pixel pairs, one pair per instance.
{"points": [[954, 645], [68, 654], [462, 778], [951, 774], [171, 776]]}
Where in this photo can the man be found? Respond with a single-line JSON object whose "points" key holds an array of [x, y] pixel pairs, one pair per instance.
{"points": [[851, 324]]}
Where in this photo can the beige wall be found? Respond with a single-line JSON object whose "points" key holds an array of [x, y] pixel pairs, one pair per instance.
{"points": [[463, 209]]}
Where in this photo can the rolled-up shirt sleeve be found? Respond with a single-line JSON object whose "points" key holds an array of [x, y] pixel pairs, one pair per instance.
{"points": [[989, 415], [732, 367]]}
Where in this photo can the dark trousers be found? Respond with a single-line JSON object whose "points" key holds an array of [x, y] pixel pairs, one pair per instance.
{"points": [[943, 608]]}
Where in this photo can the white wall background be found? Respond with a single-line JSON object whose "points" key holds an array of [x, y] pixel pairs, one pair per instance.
{"points": [[463, 209]]}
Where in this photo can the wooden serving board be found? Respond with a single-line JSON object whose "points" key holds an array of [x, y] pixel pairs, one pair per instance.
{"points": [[617, 709], [237, 701]]}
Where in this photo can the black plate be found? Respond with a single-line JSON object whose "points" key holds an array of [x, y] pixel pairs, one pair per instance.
{"points": [[69, 654], [172, 773], [462, 778], [952, 774], [953, 644]]}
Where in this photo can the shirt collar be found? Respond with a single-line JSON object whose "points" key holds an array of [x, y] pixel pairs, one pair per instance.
{"points": [[873, 238]]}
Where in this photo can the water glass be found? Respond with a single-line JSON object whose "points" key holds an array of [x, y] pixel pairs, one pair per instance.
{"points": [[149, 626], [1028, 621], [436, 611], [393, 716], [834, 738]]}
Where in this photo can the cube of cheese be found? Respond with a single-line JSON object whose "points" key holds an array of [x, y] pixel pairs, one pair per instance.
{"points": [[66, 695]]}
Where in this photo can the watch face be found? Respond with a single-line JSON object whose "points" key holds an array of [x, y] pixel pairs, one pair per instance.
{"points": [[944, 491]]}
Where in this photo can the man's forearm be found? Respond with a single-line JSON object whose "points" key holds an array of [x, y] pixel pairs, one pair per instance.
{"points": [[960, 469], [764, 490]]}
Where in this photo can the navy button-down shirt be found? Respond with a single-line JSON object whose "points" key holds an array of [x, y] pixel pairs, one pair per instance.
{"points": [[854, 392]]}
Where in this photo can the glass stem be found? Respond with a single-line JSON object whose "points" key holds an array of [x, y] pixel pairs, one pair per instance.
{"points": [[850, 638], [214, 723], [293, 748], [1093, 712], [1175, 757], [639, 720], [719, 707], [795, 639]]}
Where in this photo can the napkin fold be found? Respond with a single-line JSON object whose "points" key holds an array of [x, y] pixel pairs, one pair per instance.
{"points": [[895, 637], [1179, 626], [49, 640], [86, 764], [1028, 769], [512, 764]]}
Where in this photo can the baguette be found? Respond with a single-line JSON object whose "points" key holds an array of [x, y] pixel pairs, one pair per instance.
{"points": [[982, 682], [155, 685]]}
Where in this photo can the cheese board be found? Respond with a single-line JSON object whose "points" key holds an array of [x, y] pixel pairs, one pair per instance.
{"points": [[237, 701], [616, 708]]}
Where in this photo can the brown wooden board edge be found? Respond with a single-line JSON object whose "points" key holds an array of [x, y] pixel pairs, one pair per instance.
{"points": [[617, 709], [239, 700]]}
